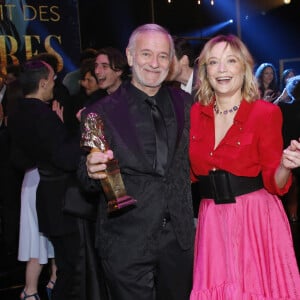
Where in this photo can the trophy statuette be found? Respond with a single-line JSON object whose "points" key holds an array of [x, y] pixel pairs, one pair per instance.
{"points": [[93, 139]]}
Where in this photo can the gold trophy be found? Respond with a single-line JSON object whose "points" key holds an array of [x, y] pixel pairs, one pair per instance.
{"points": [[93, 139]]}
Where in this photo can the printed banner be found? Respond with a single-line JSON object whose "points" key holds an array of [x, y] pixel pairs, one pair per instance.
{"points": [[29, 27]]}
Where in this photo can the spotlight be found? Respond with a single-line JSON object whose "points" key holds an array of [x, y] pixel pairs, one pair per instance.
{"points": [[286, 1], [230, 21], [212, 2]]}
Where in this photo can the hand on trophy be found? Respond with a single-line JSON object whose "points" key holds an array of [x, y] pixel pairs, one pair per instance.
{"points": [[96, 163], [102, 165]]}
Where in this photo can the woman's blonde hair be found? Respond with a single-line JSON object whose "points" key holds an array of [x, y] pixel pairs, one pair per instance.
{"points": [[205, 93]]}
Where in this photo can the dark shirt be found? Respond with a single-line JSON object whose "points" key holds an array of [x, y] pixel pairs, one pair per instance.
{"points": [[141, 114], [42, 137]]}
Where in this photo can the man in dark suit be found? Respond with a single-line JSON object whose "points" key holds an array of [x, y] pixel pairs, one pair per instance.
{"points": [[183, 69], [146, 250]]}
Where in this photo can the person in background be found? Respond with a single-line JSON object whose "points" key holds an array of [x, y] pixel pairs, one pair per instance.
{"points": [[286, 75], [267, 82], [10, 176], [243, 246], [98, 78], [12, 73], [111, 69], [89, 93], [184, 71], [10, 190], [182, 67], [40, 138], [146, 250], [34, 248], [291, 131], [71, 79], [60, 92], [12, 91], [88, 80]]}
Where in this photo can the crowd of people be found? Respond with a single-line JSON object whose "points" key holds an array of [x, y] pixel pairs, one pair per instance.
{"points": [[166, 117]]}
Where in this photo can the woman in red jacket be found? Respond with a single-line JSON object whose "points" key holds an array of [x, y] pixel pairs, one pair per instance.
{"points": [[243, 246]]}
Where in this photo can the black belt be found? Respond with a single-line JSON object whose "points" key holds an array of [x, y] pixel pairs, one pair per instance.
{"points": [[223, 186], [57, 177]]}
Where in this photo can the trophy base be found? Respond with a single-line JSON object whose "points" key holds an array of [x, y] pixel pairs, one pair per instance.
{"points": [[119, 203]]}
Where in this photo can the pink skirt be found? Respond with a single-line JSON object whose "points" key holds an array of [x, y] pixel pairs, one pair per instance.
{"points": [[245, 251]]}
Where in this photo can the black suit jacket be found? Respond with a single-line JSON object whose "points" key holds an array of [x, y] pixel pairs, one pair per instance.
{"points": [[291, 124], [39, 138], [291, 121], [137, 229]]}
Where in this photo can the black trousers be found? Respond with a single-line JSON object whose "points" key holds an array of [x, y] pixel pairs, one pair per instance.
{"points": [[164, 273], [78, 275], [66, 248]]}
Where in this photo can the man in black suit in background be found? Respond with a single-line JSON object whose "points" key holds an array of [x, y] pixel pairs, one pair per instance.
{"points": [[183, 68], [146, 251]]}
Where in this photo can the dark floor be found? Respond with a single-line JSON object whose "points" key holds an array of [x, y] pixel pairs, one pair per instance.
{"points": [[12, 272]]}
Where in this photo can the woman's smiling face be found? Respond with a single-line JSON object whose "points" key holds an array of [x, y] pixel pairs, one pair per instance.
{"points": [[225, 70]]}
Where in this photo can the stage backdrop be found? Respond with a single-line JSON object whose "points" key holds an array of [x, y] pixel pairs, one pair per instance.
{"points": [[28, 27]]}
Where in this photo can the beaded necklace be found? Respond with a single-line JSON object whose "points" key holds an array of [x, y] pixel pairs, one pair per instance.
{"points": [[226, 111]]}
